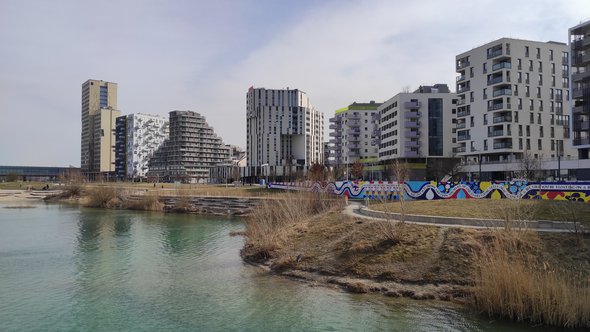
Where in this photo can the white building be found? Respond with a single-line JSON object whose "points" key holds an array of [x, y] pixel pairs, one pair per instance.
{"points": [[138, 137], [513, 100], [417, 125], [284, 133], [354, 134]]}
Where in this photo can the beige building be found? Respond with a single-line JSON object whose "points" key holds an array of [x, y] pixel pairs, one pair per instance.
{"points": [[513, 101], [99, 113]]}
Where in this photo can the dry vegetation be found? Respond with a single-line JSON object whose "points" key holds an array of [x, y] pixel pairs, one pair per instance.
{"points": [[515, 278], [526, 276], [270, 224], [488, 208]]}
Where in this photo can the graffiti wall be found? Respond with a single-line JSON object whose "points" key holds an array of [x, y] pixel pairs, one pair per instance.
{"points": [[424, 190]]}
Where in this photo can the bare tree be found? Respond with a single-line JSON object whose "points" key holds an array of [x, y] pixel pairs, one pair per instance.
{"points": [[317, 172], [529, 167], [356, 170]]}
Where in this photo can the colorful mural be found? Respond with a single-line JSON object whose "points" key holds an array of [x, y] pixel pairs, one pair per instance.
{"points": [[387, 190]]}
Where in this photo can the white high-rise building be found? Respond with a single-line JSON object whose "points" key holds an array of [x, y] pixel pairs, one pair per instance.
{"points": [[138, 137], [285, 133], [513, 101]]}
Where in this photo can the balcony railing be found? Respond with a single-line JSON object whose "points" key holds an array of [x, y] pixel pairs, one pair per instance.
{"points": [[582, 141], [412, 104], [460, 125], [495, 133], [412, 124], [460, 102], [580, 92], [459, 149], [578, 43], [500, 119], [502, 145], [502, 92], [462, 64], [581, 125], [463, 89], [580, 59], [463, 113], [412, 115], [460, 78], [495, 107], [463, 137], [494, 53], [411, 134], [579, 109], [580, 76], [495, 80], [502, 65], [412, 144]]}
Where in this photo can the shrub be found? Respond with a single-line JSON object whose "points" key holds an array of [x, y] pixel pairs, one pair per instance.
{"points": [[145, 203], [103, 197]]}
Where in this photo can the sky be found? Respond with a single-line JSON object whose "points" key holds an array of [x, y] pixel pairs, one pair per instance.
{"points": [[204, 55]]}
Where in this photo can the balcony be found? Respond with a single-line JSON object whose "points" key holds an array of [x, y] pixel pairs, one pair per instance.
{"points": [[353, 132], [581, 125], [460, 78], [502, 92], [463, 113], [412, 124], [461, 102], [495, 107], [503, 145], [581, 141], [502, 119], [495, 80], [496, 133], [580, 92], [581, 76], [412, 104], [462, 89], [412, 115], [494, 53], [580, 43], [352, 116], [460, 125], [581, 59], [335, 119], [502, 65], [460, 149], [335, 126], [411, 134], [463, 138], [581, 109], [462, 64], [412, 144], [354, 138], [334, 141]]}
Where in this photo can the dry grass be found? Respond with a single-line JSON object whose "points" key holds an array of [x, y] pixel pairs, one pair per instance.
{"points": [[269, 225], [485, 208], [145, 203], [514, 281], [103, 197]]}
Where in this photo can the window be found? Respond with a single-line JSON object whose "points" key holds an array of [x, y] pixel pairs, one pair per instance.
{"points": [[538, 53], [485, 67], [541, 134], [526, 51], [519, 61], [538, 118], [485, 93], [519, 130], [551, 55], [528, 131], [528, 144], [540, 79], [552, 132], [540, 144]]}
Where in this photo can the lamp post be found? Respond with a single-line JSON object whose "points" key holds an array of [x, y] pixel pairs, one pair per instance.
{"points": [[268, 168], [558, 162], [479, 163]]}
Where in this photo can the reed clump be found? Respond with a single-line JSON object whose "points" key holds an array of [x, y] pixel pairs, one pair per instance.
{"points": [[269, 224], [513, 281], [144, 203], [104, 197]]}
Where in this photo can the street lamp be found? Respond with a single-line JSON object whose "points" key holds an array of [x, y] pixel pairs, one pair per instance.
{"points": [[479, 163], [268, 168]]}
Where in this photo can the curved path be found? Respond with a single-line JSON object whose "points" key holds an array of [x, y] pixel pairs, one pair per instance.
{"points": [[357, 209]]}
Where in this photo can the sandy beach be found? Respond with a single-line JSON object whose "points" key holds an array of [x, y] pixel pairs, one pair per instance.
{"points": [[21, 196]]}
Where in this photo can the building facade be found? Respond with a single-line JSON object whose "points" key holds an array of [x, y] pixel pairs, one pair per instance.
{"points": [[284, 133], [190, 151], [99, 113], [138, 136], [229, 172], [513, 97], [579, 41], [417, 125], [354, 134]]}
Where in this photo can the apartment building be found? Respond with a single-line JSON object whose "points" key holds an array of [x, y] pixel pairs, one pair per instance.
{"points": [[417, 126], [354, 134], [579, 41], [138, 136], [190, 151], [284, 133], [99, 113], [513, 101]]}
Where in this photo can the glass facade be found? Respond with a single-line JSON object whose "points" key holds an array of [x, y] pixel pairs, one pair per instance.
{"points": [[104, 96], [435, 126]]}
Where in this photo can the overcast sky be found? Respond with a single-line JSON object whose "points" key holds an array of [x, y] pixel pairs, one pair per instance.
{"points": [[204, 55]]}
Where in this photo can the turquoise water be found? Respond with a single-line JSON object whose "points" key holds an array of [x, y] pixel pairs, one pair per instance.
{"points": [[66, 268]]}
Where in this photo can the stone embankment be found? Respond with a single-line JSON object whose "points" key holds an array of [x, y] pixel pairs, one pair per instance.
{"points": [[215, 205]]}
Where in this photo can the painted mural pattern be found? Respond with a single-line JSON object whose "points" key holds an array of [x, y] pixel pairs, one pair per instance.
{"points": [[424, 190]]}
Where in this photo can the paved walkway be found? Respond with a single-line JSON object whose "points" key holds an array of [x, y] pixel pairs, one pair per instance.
{"points": [[357, 209]]}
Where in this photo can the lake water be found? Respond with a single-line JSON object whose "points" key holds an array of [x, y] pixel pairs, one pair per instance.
{"points": [[65, 268]]}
